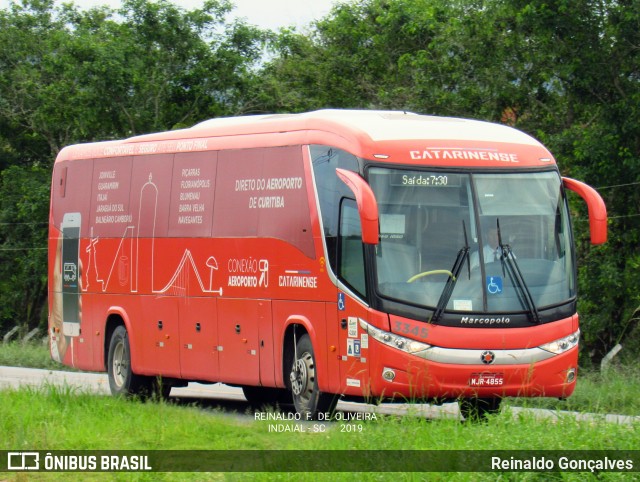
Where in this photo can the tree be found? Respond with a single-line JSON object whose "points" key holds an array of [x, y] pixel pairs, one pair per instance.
{"points": [[565, 71], [70, 75], [24, 200]]}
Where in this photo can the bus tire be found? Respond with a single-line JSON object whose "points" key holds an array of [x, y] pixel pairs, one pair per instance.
{"points": [[259, 397], [308, 400], [122, 381], [155, 388], [478, 409]]}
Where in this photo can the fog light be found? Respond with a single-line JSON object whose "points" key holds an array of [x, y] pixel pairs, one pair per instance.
{"points": [[571, 375], [388, 374]]}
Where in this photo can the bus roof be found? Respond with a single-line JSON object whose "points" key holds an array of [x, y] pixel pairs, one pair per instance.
{"points": [[363, 132], [375, 124]]}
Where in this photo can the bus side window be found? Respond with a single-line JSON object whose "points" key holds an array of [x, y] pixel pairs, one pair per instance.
{"points": [[351, 249]]}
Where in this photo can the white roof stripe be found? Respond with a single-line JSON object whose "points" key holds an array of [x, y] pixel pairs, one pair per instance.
{"points": [[390, 125]]}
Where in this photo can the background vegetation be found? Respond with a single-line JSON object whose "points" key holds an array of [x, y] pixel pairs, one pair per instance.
{"points": [[565, 71]]}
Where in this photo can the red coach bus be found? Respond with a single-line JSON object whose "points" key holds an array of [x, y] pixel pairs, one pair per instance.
{"points": [[308, 257]]}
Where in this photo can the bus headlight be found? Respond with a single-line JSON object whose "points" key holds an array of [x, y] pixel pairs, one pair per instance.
{"points": [[563, 344], [391, 339]]}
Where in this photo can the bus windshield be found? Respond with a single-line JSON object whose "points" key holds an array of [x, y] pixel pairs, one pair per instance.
{"points": [[491, 242]]}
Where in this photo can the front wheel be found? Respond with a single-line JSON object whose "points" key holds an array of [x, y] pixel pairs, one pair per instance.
{"points": [[259, 397], [478, 409], [307, 397]]}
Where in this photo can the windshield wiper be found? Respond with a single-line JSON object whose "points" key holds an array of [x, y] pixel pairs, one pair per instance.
{"points": [[509, 260], [463, 255]]}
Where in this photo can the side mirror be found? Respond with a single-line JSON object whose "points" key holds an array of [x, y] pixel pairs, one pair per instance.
{"points": [[367, 205], [596, 207]]}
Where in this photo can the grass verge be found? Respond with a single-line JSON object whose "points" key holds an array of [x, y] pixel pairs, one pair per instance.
{"points": [[54, 418], [615, 391], [29, 355]]}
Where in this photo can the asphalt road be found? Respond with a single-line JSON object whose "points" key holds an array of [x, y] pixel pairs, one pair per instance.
{"points": [[232, 399]]}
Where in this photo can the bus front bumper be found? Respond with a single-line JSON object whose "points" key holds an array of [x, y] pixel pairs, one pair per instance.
{"points": [[402, 368]]}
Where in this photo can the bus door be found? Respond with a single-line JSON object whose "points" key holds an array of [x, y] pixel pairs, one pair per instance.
{"points": [[353, 346], [353, 342]]}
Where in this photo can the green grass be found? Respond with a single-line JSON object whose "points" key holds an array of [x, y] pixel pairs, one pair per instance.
{"points": [[615, 391], [54, 418], [31, 355]]}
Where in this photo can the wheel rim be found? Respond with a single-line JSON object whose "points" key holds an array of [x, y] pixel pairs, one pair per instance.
{"points": [[302, 376], [120, 364]]}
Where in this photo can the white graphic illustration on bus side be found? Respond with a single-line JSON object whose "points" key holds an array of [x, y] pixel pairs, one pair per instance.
{"points": [[126, 262]]}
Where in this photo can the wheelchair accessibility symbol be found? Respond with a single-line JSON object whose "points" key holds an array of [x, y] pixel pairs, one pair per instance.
{"points": [[494, 285]]}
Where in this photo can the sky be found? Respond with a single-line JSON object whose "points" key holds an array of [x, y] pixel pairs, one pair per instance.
{"points": [[271, 14]]}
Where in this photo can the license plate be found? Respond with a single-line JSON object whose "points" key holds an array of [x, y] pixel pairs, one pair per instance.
{"points": [[486, 380]]}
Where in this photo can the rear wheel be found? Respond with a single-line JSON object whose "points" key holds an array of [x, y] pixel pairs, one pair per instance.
{"points": [[122, 380], [478, 409], [307, 397]]}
